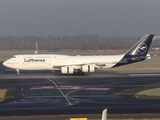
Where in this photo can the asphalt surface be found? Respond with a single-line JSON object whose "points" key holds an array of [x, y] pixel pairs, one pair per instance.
{"points": [[49, 93]]}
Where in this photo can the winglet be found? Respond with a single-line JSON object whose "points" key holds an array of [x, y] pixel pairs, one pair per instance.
{"points": [[104, 114]]}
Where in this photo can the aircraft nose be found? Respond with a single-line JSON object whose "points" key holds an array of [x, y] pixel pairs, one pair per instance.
{"points": [[4, 63]]}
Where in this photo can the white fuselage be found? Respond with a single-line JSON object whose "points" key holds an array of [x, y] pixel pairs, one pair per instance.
{"points": [[80, 64], [55, 62]]}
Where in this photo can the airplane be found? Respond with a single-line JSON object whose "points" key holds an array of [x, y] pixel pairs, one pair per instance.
{"points": [[80, 64]]}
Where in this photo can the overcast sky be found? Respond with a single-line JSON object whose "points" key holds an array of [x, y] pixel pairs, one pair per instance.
{"points": [[131, 18]]}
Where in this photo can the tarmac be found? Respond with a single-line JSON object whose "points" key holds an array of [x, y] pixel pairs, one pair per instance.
{"points": [[35, 93]]}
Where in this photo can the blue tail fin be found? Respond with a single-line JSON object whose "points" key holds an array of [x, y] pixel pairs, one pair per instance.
{"points": [[138, 52], [141, 47]]}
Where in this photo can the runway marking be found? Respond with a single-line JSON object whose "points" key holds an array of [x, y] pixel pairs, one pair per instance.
{"points": [[126, 81], [130, 103], [67, 88], [133, 85], [137, 75], [71, 92], [43, 96], [59, 90], [76, 96]]}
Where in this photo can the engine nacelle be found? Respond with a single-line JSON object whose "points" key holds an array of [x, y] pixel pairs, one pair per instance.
{"points": [[67, 70], [88, 68]]}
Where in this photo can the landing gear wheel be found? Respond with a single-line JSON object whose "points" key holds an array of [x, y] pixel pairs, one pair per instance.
{"points": [[18, 72], [79, 72]]}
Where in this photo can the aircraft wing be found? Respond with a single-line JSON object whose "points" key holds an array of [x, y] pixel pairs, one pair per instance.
{"points": [[78, 66]]}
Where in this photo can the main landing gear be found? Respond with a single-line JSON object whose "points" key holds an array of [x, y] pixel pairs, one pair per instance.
{"points": [[18, 72], [78, 72]]}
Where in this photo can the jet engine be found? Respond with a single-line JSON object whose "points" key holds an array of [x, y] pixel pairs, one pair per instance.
{"points": [[88, 68], [67, 70]]}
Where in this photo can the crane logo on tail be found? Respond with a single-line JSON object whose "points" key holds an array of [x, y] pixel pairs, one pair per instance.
{"points": [[142, 48]]}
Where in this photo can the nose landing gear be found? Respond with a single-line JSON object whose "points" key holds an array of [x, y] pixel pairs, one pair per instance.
{"points": [[18, 72]]}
